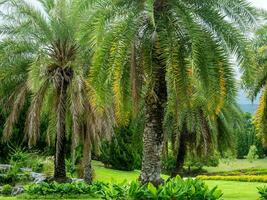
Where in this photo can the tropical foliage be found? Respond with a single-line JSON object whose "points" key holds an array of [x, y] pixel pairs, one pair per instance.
{"points": [[94, 77], [174, 189], [171, 45], [44, 56]]}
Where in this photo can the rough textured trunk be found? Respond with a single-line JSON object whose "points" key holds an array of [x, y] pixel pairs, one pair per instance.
{"points": [[87, 159], [180, 157], [154, 111], [153, 133], [60, 171]]}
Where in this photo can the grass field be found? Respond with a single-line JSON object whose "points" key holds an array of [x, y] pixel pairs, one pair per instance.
{"points": [[232, 190], [238, 164], [237, 190]]}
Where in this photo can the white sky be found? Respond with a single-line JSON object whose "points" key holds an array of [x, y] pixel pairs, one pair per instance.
{"points": [[259, 3]]}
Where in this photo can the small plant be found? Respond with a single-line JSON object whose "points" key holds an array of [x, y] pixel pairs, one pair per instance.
{"points": [[70, 168], [175, 188], [57, 188], [252, 154], [228, 158], [6, 190], [263, 193]]}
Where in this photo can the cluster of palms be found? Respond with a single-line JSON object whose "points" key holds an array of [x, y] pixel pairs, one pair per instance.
{"points": [[93, 61]]}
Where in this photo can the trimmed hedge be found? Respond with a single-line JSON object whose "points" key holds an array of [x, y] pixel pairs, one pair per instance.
{"points": [[240, 172], [245, 178]]}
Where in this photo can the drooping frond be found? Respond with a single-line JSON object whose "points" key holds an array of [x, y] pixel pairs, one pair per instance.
{"points": [[13, 116], [33, 119]]}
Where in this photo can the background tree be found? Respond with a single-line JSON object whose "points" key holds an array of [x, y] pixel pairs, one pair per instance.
{"points": [[44, 55]]}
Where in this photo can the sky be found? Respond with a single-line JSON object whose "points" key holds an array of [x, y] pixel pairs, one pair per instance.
{"points": [[259, 3]]}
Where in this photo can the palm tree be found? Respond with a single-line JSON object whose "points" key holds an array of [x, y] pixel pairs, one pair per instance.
{"points": [[258, 84], [201, 125], [44, 55], [206, 135], [158, 41]]}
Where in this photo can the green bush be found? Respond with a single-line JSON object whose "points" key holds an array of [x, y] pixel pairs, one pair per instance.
{"points": [[21, 158], [252, 154], [119, 153], [195, 161], [6, 190], [263, 193], [243, 178], [173, 189], [62, 189], [14, 175], [168, 165]]}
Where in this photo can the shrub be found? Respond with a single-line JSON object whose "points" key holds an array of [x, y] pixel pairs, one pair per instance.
{"points": [[168, 165], [263, 193], [252, 154], [173, 189], [119, 153], [245, 178], [6, 190], [21, 158], [195, 161], [57, 188]]}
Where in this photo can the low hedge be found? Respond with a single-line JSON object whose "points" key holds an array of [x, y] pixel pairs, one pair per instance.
{"points": [[176, 188], [245, 178], [240, 172]]}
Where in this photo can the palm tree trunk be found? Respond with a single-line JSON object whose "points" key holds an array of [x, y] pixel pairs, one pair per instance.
{"points": [[153, 133], [59, 170], [87, 159], [180, 158], [154, 114]]}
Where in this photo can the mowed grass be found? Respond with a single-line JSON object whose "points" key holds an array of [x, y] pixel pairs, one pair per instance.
{"points": [[238, 164], [232, 190], [237, 190]]}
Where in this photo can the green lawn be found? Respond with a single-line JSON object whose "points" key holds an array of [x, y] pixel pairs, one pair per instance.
{"points": [[237, 190], [238, 164], [232, 190], [109, 175]]}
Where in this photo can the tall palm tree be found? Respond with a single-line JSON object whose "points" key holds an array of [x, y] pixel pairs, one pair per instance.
{"points": [[44, 55], [158, 41]]}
